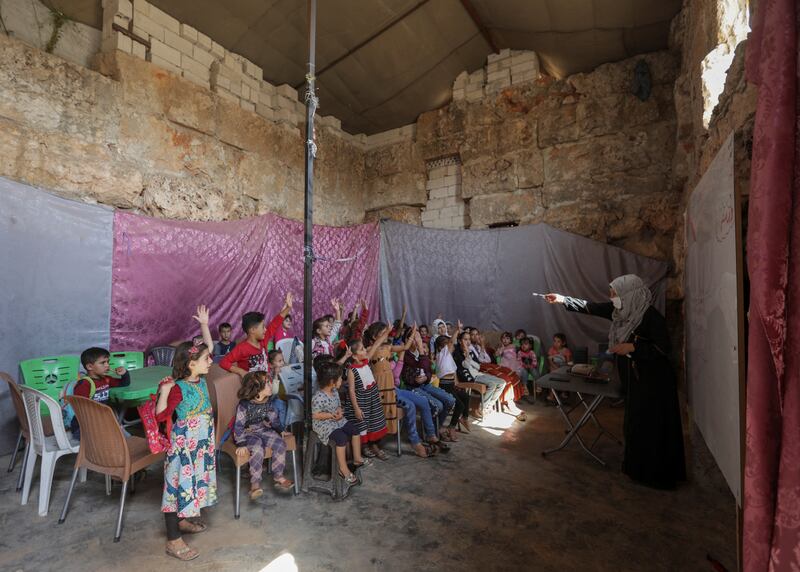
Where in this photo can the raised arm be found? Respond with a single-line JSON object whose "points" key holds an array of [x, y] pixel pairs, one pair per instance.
{"points": [[378, 342], [202, 317]]}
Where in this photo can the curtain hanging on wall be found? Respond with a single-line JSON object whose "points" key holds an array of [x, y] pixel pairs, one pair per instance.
{"points": [[163, 269], [486, 277], [772, 458], [55, 256]]}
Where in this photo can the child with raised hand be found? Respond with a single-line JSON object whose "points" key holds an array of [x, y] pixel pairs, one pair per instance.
{"points": [[325, 332], [190, 480], [328, 420], [256, 429], [252, 352], [363, 407]]}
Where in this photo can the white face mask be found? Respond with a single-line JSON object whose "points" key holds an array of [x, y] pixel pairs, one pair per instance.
{"points": [[617, 301]]}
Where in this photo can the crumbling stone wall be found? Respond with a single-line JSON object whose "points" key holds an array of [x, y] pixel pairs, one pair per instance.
{"points": [[583, 154], [136, 136]]}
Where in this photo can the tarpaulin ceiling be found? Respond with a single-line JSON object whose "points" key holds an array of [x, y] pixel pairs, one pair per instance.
{"points": [[382, 63]]}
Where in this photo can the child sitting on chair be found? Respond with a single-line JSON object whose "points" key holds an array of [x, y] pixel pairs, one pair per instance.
{"points": [[256, 429], [252, 352], [326, 331], [276, 364], [96, 384], [329, 423], [225, 344]]}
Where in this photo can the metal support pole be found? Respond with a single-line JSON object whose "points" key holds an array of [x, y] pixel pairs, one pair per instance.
{"points": [[308, 215]]}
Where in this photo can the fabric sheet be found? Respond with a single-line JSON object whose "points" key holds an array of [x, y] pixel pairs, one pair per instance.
{"points": [[485, 278], [55, 284], [771, 537], [164, 268]]}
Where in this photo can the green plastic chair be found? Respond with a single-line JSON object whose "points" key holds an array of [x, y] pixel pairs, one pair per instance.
{"points": [[128, 360], [49, 374]]}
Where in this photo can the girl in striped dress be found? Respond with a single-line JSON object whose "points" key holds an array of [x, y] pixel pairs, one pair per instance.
{"points": [[363, 405]]}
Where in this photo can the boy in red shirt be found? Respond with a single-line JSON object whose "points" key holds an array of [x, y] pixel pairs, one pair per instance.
{"points": [[251, 354], [96, 383]]}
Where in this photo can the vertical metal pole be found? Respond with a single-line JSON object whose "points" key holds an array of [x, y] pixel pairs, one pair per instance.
{"points": [[308, 250]]}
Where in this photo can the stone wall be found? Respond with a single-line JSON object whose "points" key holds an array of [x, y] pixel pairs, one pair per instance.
{"points": [[136, 135], [583, 154]]}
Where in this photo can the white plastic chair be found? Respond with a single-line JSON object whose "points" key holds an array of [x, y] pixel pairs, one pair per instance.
{"points": [[285, 347], [50, 449]]}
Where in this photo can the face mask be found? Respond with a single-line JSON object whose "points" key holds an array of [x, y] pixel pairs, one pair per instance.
{"points": [[617, 301]]}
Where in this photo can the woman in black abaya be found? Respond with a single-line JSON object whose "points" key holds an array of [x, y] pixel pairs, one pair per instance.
{"points": [[638, 336]]}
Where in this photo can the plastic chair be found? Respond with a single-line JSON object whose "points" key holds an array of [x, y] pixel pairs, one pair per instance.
{"points": [[285, 346], [128, 360], [106, 450], [227, 401], [24, 433], [49, 374], [162, 355], [50, 449]]}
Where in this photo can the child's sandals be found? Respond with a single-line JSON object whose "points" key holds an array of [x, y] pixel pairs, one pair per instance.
{"points": [[463, 425], [350, 479], [368, 453], [381, 454], [184, 553], [190, 527], [283, 484], [256, 493], [363, 463]]}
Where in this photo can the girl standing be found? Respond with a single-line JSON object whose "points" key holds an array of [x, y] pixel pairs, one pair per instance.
{"points": [[190, 478], [363, 406], [256, 429]]}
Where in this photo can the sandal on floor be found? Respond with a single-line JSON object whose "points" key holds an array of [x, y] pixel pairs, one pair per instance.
{"points": [[381, 454], [443, 447], [522, 417], [464, 424], [368, 453], [256, 493], [349, 479], [283, 484], [447, 435], [185, 554], [425, 451], [193, 527], [364, 463]]}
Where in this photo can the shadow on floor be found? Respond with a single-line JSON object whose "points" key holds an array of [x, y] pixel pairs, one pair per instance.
{"points": [[493, 503]]}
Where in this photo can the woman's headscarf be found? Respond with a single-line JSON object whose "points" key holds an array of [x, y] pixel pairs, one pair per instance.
{"points": [[636, 299]]}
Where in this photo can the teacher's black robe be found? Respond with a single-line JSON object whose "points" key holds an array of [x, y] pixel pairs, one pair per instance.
{"points": [[653, 433]]}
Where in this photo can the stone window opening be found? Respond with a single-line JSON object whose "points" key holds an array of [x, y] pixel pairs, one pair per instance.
{"points": [[508, 224], [733, 25]]}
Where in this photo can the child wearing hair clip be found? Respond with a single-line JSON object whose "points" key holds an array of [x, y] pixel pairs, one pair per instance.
{"points": [[256, 429]]}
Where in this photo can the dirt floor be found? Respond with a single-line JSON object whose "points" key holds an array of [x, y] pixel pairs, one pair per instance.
{"points": [[493, 503]]}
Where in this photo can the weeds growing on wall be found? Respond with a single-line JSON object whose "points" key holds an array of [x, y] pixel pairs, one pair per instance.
{"points": [[59, 19]]}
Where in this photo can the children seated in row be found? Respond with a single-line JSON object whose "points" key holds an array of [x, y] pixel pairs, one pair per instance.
{"points": [[329, 422], [514, 388], [468, 371], [252, 352], [96, 384], [256, 428], [190, 482]]}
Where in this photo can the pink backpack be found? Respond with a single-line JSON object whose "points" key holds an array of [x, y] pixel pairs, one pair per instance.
{"points": [[157, 440]]}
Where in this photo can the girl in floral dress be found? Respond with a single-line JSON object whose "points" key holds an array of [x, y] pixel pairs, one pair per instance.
{"points": [[190, 479]]}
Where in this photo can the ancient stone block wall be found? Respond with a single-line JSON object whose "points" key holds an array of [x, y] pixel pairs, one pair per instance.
{"points": [[583, 154], [137, 135]]}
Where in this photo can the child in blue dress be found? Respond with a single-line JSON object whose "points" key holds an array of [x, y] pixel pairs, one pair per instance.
{"points": [[190, 480]]}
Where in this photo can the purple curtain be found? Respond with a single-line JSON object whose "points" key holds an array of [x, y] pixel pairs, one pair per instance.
{"points": [[163, 269], [772, 460]]}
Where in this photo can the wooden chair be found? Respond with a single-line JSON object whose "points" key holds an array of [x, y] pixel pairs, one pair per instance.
{"points": [[225, 409], [106, 450]]}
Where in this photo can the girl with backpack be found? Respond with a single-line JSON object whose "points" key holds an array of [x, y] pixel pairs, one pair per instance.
{"points": [[190, 478]]}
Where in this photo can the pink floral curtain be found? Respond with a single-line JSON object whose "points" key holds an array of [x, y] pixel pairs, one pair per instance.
{"points": [[772, 461], [164, 268]]}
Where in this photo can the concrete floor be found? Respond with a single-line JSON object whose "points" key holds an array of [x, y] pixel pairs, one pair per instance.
{"points": [[493, 503]]}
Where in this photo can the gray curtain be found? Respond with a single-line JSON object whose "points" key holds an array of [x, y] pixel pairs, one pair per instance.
{"points": [[55, 256], [486, 277]]}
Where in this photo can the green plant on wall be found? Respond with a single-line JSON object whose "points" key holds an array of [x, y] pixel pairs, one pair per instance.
{"points": [[59, 19]]}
